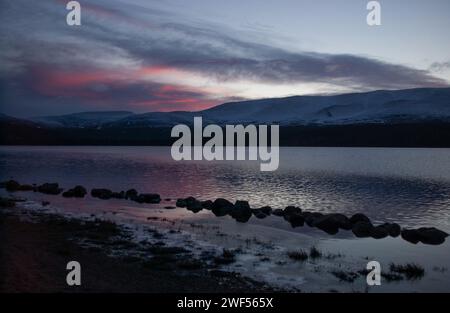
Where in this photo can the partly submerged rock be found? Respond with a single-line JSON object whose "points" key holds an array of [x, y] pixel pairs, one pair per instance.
{"points": [[411, 235], [207, 204], [379, 232], [359, 217], [432, 236], [131, 193], [278, 212], [148, 198], [393, 229], [50, 189], [362, 229], [426, 235], [311, 218], [241, 211], [76, 192], [222, 207], [101, 193]]}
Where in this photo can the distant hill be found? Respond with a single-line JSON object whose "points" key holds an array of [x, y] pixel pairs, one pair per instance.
{"points": [[413, 117]]}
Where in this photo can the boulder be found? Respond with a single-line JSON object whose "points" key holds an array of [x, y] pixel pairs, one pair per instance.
{"points": [[241, 205], [296, 220], [241, 216], [50, 189], [207, 204], [222, 207], [101, 193], [11, 185], [278, 212], [241, 211], [362, 229], [292, 210], [359, 217], [393, 229], [379, 232], [118, 195], [148, 198], [77, 192], [327, 223], [431, 235], [411, 235], [131, 194], [194, 206], [259, 214], [266, 210], [26, 188], [181, 203], [311, 218]]}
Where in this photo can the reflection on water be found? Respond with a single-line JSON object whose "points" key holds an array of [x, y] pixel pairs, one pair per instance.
{"points": [[408, 186]]}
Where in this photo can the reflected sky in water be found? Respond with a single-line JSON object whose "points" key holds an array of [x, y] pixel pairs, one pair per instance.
{"points": [[408, 186]]}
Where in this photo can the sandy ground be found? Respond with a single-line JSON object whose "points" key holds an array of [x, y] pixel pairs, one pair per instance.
{"points": [[34, 254]]}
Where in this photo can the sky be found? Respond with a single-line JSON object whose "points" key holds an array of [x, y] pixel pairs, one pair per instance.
{"points": [[172, 55]]}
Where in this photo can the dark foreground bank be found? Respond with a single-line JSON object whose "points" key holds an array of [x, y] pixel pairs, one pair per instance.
{"points": [[35, 249]]}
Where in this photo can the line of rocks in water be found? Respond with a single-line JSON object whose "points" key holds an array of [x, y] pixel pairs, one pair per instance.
{"points": [[359, 224]]}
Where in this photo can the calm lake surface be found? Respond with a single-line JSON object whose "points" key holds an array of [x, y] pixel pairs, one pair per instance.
{"points": [[407, 186]]}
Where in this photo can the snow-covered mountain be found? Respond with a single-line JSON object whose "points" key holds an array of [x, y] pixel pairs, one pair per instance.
{"points": [[83, 119], [355, 108]]}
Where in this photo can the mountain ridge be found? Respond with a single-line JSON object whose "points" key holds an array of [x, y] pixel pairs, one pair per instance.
{"points": [[381, 106]]}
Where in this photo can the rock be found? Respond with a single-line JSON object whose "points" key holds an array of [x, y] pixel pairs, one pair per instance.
{"points": [[194, 205], [118, 195], [259, 214], [296, 220], [131, 194], [241, 205], [26, 188], [327, 224], [11, 185], [148, 198], [362, 229], [266, 210], [278, 212], [393, 229], [242, 215], [331, 223], [222, 207], [50, 189], [241, 211], [190, 203], [410, 235], [379, 232], [101, 193], [431, 235], [207, 204], [359, 217], [289, 210], [311, 218], [77, 192]]}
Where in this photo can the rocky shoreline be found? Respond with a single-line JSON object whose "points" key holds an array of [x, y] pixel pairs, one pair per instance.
{"points": [[36, 247], [359, 224]]}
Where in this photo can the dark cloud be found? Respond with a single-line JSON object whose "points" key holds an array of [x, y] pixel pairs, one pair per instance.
{"points": [[116, 36]]}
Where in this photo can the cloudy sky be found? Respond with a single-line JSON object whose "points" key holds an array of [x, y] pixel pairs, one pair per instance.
{"points": [[192, 54]]}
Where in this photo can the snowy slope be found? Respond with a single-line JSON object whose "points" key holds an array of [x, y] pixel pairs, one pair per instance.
{"points": [[376, 106]]}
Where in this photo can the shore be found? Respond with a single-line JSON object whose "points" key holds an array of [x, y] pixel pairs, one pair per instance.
{"points": [[126, 249], [36, 249]]}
